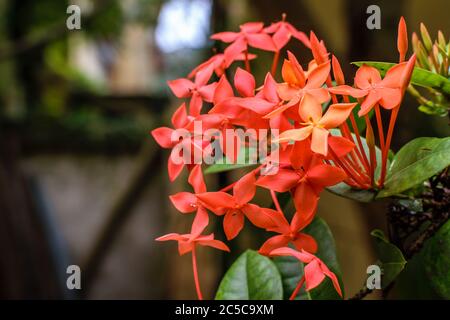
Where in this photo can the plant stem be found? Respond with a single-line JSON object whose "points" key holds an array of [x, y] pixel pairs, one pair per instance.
{"points": [[275, 201], [276, 57], [297, 288], [194, 268], [247, 62], [385, 152]]}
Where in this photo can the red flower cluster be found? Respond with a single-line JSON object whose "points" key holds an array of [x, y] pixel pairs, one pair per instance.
{"points": [[304, 106]]}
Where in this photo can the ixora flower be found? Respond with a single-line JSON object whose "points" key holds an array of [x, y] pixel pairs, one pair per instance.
{"points": [[252, 34], [236, 207], [316, 124], [303, 121], [306, 177], [314, 272], [198, 90]]}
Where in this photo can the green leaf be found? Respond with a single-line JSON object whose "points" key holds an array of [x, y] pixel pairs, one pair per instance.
{"points": [[436, 257], [427, 275], [420, 77], [344, 190], [390, 258], [251, 277], [243, 161], [291, 269], [417, 161]]}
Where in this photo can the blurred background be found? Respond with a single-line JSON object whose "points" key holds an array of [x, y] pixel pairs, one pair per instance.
{"points": [[81, 180]]}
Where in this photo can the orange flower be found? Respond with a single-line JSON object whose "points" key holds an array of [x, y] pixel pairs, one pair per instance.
{"points": [[297, 83], [317, 125]]}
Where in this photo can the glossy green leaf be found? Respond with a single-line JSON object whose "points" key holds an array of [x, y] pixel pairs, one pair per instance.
{"points": [[420, 77], [417, 161], [251, 277], [344, 190], [390, 257], [436, 258], [427, 274], [243, 161], [291, 269]]}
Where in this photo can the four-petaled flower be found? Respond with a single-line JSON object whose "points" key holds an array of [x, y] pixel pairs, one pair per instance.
{"points": [[290, 233], [236, 207], [316, 124], [369, 84], [305, 178], [252, 34], [198, 91], [315, 270]]}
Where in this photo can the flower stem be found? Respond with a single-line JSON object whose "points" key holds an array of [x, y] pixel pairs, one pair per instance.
{"points": [[194, 268], [371, 144], [275, 201], [387, 146], [247, 62], [380, 126], [276, 57], [297, 288]]}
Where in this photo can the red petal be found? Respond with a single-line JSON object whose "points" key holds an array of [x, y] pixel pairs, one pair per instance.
{"points": [[202, 77], [185, 247], [257, 105], [180, 118], [174, 169], [324, 175], [341, 146], [305, 199], [367, 76], [234, 49], [336, 115], [285, 251], [225, 36], [233, 224], [170, 236], [217, 244], [196, 180], [270, 89], [319, 140], [223, 90], [200, 222], [309, 109], [196, 104], [216, 201], [390, 98], [346, 90], [306, 242], [181, 88], [318, 76], [260, 218], [273, 243], [301, 220], [252, 27], [261, 41], [207, 92], [283, 181], [244, 83], [368, 103], [184, 201], [244, 189], [313, 275], [163, 136], [281, 37]]}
